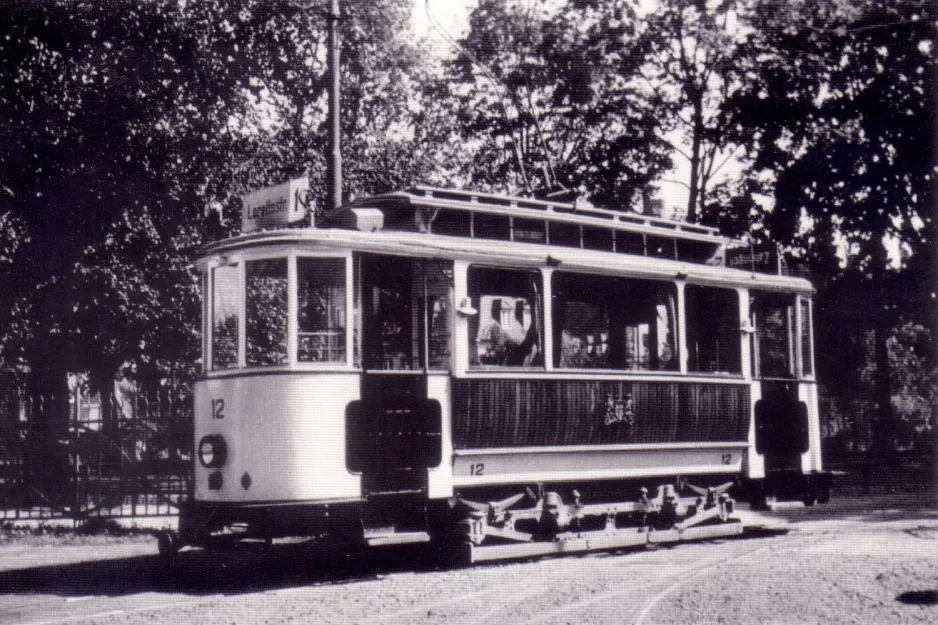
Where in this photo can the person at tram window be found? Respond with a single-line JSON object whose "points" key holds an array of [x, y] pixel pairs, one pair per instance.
{"points": [[494, 342], [527, 353]]}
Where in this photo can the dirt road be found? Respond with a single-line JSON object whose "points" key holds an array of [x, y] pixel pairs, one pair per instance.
{"points": [[872, 560]]}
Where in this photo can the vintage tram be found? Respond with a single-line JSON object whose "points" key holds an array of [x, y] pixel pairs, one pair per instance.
{"points": [[513, 376]]}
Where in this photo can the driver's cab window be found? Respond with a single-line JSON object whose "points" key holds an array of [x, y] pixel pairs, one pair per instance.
{"points": [[507, 330], [224, 316]]}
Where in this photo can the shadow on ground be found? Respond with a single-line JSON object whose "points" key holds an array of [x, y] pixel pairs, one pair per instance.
{"points": [[250, 568], [233, 571], [919, 597], [901, 506]]}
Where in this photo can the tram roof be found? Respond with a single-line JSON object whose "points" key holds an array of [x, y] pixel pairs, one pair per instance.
{"points": [[485, 227], [520, 255], [515, 206]]}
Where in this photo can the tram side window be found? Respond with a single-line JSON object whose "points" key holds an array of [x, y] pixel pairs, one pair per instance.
{"points": [[807, 338], [224, 317], [320, 310], [508, 329], [581, 314], [615, 323], [649, 320], [266, 308], [713, 342], [774, 318]]}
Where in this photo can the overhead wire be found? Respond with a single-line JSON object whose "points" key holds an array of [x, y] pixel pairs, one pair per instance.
{"points": [[550, 175], [499, 86]]}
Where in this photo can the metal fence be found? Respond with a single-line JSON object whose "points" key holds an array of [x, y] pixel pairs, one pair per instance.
{"points": [[130, 457]]}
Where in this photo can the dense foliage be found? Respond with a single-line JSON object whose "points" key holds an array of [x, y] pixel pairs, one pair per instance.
{"points": [[126, 123], [839, 105], [555, 99]]}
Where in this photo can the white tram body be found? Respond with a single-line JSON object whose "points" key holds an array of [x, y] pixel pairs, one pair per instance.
{"points": [[429, 347]]}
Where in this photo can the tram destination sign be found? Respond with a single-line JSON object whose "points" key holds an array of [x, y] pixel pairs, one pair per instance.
{"points": [[275, 206]]}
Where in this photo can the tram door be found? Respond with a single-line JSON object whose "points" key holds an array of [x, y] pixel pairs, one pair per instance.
{"points": [[781, 420], [394, 431]]}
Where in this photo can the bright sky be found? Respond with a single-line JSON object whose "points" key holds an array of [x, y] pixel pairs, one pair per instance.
{"points": [[451, 15]]}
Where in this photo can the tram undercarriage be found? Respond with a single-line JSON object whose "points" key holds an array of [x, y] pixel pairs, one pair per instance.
{"points": [[528, 524], [533, 522]]}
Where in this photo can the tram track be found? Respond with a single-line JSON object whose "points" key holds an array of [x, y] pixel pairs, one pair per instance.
{"points": [[646, 571], [703, 580], [489, 601], [118, 611], [650, 605]]}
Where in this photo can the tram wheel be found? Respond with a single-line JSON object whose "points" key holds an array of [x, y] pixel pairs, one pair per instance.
{"points": [[810, 492], [167, 544]]}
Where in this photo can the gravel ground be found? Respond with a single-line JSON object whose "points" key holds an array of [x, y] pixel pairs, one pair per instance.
{"points": [[871, 560]]}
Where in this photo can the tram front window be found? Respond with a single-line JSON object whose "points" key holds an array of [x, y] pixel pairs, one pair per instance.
{"points": [[320, 310], [266, 308], [224, 317], [507, 331]]}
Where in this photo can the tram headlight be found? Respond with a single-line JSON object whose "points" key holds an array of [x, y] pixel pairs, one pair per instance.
{"points": [[212, 451]]}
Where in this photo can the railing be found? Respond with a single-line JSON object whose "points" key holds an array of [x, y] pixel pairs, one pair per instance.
{"points": [[133, 461]]}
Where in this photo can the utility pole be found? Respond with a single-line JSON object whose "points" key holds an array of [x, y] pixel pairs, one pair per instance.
{"points": [[334, 160]]}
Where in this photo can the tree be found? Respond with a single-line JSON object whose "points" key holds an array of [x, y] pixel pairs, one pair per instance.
{"points": [[693, 68], [280, 132], [102, 104], [126, 125], [551, 99], [840, 105]]}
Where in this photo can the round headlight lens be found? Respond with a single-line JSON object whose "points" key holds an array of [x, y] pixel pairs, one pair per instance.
{"points": [[212, 451]]}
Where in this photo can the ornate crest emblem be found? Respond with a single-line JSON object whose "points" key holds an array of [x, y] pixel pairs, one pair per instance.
{"points": [[619, 410]]}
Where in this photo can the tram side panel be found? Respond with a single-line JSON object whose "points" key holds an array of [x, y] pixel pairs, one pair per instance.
{"points": [[282, 437], [528, 430]]}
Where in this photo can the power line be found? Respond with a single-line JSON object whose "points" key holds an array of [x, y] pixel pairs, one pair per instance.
{"points": [[501, 92]]}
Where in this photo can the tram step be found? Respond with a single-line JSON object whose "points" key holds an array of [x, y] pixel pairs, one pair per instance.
{"points": [[386, 538], [783, 505]]}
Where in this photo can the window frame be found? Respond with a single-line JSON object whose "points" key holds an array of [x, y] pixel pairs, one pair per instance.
{"points": [[419, 353], [291, 254], [674, 323], [209, 319], [792, 336], [539, 313], [734, 335], [286, 326], [805, 331], [293, 270]]}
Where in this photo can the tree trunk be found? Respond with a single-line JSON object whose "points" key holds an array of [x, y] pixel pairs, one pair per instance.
{"points": [[696, 143]]}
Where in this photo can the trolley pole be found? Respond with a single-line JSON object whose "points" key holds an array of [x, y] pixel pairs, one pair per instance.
{"points": [[334, 164]]}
